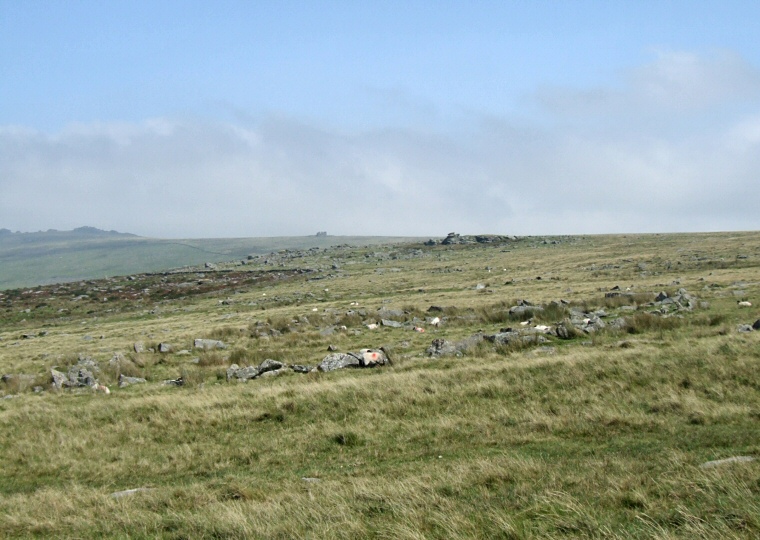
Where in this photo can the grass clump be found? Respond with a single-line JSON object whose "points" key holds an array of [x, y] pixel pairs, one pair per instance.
{"points": [[643, 321]]}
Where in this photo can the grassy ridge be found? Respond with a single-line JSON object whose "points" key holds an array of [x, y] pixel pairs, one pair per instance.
{"points": [[599, 436], [28, 259]]}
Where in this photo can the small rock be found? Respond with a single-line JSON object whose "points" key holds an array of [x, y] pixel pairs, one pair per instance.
{"points": [[164, 348], [270, 365], [125, 381], [247, 373], [209, 344], [744, 328], [59, 379], [301, 369]]}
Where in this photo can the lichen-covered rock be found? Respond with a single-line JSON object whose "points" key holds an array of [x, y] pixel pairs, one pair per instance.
{"points": [[441, 347], [59, 379], [301, 369], [231, 371], [502, 338], [565, 330], [524, 310], [270, 365], [209, 344], [247, 373], [125, 381], [334, 361]]}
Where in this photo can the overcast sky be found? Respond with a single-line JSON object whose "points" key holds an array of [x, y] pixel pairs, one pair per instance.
{"points": [[268, 118]]}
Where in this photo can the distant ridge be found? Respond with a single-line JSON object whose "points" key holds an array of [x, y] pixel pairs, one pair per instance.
{"points": [[39, 258], [79, 231], [100, 232]]}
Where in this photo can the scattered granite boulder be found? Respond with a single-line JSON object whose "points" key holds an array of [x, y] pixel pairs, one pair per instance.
{"points": [[270, 365], [164, 348], [744, 328], [391, 323], [117, 361], [587, 322], [254, 372], [301, 369], [139, 347], [209, 344], [524, 310], [443, 347], [83, 374], [618, 324], [363, 358], [246, 373], [502, 338], [386, 313], [334, 361], [565, 330], [59, 379], [125, 381]]}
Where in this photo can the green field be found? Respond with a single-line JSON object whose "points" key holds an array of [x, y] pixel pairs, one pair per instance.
{"points": [[604, 433]]}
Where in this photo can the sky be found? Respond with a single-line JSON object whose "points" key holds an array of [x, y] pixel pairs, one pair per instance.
{"points": [[190, 119]]}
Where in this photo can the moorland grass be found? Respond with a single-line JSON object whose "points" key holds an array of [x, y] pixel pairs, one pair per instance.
{"points": [[598, 436]]}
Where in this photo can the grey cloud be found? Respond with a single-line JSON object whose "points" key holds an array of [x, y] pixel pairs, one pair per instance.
{"points": [[599, 169]]}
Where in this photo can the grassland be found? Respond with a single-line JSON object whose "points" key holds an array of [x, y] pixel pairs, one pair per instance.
{"points": [[599, 436], [29, 259]]}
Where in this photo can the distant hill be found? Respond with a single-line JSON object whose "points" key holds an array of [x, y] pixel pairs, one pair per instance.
{"points": [[39, 258]]}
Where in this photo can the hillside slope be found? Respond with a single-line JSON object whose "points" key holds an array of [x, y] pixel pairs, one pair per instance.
{"points": [[29, 259], [567, 387]]}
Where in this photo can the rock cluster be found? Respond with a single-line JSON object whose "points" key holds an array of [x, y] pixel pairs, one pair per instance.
{"points": [[83, 374], [681, 301], [454, 238], [331, 362], [273, 367]]}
